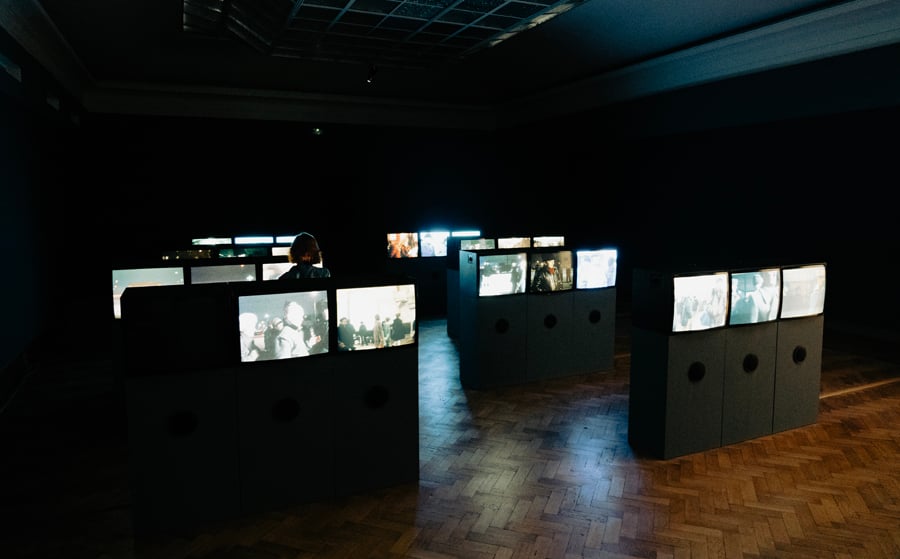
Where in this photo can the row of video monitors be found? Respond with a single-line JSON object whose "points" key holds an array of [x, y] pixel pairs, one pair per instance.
{"points": [[245, 323], [250, 270], [690, 302], [398, 245], [423, 244], [540, 270]]}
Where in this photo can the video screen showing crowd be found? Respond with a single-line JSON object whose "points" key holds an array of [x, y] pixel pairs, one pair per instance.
{"points": [[283, 326]]}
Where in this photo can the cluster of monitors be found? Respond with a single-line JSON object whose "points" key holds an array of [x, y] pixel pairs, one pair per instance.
{"points": [[510, 272], [280, 320], [437, 243], [193, 274], [257, 246], [728, 298]]}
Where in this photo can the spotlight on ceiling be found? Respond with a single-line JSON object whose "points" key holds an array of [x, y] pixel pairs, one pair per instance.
{"points": [[373, 69]]}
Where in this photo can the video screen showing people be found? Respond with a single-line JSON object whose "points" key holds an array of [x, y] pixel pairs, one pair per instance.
{"points": [[701, 302], [550, 271], [402, 245], [223, 273], [433, 243], [548, 241], [376, 317], [514, 242], [283, 325], [755, 296], [803, 291], [477, 244], [142, 277], [596, 268], [502, 274]]}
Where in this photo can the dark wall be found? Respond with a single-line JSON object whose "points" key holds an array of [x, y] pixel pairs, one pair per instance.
{"points": [[36, 167], [770, 191]]}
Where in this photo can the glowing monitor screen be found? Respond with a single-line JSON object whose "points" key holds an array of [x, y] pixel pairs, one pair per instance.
{"points": [[514, 242], [803, 291], [550, 271], [701, 302], [283, 325], [477, 244], [596, 268], [402, 245], [502, 274], [376, 317], [223, 273], [548, 241], [755, 296], [433, 243], [273, 270], [142, 277]]}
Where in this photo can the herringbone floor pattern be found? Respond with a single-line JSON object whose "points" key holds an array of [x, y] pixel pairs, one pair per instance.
{"points": [[535, 471]]}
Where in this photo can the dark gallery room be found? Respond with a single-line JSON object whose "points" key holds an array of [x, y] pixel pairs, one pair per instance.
{"points": [[580, 279]]}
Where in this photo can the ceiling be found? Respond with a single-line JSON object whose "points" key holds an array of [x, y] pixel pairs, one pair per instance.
{"points": [[456, 63]]}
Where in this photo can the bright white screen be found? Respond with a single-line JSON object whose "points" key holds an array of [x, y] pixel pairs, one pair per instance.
{"points": [[803, 291], [596, 268], [393, 305], [701, 302]]}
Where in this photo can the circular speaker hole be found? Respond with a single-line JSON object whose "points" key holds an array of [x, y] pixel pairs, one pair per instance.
{"points": [[376, 397], [182, 423], [550, 321], [501, 326], [799, 355], [286, 409], [751, 363], [594, 316], [696, 371]]}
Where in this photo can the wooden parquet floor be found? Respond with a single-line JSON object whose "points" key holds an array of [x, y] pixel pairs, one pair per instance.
{"points": [[534, 471]]}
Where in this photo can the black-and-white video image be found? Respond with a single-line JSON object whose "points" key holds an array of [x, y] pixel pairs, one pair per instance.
{"points": [[803, 291], [376, 317], [755, 296], [701, 302], [433, 243], [502, 274], [283, 325], [596, 268]]}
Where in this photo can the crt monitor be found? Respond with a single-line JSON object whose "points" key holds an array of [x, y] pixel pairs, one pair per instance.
{"points": [[755, 296], [550, 270], [274, 270], [803, 291], [596, 268], [221, 273], [284, 323], [433, 243], [701, 301], [402, 245], [480, 243], [502, 273], [548, 241], [514, 242], [375, 316], [124, 278]]}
